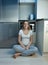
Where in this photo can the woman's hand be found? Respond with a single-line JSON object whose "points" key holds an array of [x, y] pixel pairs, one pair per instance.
{"points": [[23, 46], [27, 47]]}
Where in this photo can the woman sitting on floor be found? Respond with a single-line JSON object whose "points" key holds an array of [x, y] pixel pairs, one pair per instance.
{"points": [[26, 47]]}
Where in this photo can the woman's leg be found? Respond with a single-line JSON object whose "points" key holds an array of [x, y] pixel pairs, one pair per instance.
{"points": [[18, 50], [30, 51], [21, 51]]}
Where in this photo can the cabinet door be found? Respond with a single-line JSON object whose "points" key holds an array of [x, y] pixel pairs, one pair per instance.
{"points": [[10, 30], [26, 1], [1, 32], [5, 31], [0, 8], [40, 32], [10, 10], [13, 30]]}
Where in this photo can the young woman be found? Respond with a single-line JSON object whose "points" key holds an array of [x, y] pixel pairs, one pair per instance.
{"points": [[25, 40]]}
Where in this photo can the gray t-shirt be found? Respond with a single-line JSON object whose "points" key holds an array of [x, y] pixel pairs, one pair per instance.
{"points": [[25, 37]]}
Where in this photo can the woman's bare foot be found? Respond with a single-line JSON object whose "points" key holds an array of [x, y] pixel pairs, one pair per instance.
{"points": [[16, 55], [32, 54]]}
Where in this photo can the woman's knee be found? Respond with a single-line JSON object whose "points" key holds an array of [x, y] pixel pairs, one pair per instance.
{"points": [[18, 48], [14, 46], [36, 49]]}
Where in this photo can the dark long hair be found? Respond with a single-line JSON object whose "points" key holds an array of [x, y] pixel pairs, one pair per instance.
{"points": [[29, 28]]}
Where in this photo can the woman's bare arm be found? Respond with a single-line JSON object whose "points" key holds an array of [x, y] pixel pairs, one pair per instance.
{"points": [[20, 42], [31, 37]]}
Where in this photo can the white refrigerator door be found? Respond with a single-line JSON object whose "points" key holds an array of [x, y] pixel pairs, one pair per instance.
{"points": [[46, 36]]}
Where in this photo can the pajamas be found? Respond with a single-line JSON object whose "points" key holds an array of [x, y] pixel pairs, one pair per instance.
{"points": [[24, 52]]}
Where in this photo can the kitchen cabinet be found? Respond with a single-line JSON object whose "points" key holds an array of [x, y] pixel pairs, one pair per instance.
{"points": [[0, 9], [14, 10], [1, 32], [13, 30], [42, 35], [27, 1], [8, 30], [9, 10], [5, 30], [8, 34], [26, 9]]}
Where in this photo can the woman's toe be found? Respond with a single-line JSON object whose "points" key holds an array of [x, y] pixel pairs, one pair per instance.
{"points": [[14, 56]]}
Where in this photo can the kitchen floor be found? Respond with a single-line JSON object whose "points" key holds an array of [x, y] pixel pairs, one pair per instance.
{"points": [[6, 58]]}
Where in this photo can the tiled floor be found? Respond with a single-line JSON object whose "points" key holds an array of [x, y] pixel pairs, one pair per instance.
{"points": [[6, 59]]}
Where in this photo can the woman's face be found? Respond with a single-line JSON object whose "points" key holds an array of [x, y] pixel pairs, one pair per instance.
{"points": [[26, 25]]}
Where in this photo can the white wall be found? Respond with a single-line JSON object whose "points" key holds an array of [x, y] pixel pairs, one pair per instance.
{"points": [[42, 9]]}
